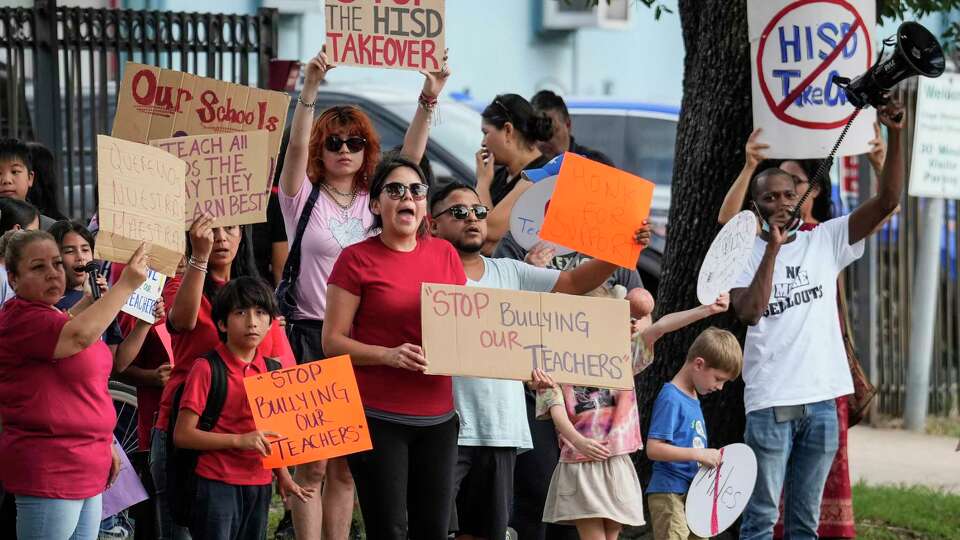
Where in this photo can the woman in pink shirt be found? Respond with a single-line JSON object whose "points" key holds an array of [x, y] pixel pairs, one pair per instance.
{"points": [[330, 159], [56, 451]]}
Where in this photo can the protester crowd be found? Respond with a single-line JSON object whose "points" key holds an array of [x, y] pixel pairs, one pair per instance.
{"points": [[354, 232]]}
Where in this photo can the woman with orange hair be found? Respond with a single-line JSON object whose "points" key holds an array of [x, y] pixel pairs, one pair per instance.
{"points": [[324, 196]]}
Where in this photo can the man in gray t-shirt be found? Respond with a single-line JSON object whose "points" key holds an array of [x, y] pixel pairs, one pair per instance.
{"points": [[493, 416]]}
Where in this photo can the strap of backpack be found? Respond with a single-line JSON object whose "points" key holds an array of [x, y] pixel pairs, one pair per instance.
{"points": [[291, 270], [272, 363], [217, 394]]}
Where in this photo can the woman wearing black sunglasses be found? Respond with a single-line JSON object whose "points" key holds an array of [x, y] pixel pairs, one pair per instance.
{"points": [[511, 129], [330, 160], [405, 484]]}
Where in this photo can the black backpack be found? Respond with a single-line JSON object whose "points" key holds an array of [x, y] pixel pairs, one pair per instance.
{"points": [[182, 462]]}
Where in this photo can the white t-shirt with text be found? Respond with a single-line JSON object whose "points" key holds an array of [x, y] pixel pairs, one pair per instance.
{"points": [[795, 354]]}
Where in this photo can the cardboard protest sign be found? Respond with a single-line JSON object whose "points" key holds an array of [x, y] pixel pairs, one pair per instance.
{"points": [[935, 165], [315, 408], [141, 200], [596, 209], [396, 34], [156, 103], [727, 256], [718, 496], [140, 304], [797, 47], [226, 176], [505, 334]]}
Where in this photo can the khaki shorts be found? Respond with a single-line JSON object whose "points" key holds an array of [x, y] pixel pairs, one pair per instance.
{"points": [[669, 517]]}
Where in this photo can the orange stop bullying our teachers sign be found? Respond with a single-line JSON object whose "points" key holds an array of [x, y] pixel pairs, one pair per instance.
{"points": [[315, 408], [596, 209]]}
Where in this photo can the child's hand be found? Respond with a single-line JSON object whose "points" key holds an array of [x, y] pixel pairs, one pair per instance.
{"points": [[541, 381], [721, 305], [256, 440], [162, 374], [159, 311], [595, 450], [709, 457], [288, 487]]}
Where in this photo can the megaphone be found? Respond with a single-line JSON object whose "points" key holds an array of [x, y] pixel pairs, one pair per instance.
{"points": [[917, 53]]}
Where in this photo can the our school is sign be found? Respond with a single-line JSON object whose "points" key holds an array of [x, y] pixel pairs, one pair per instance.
{"points": [[797, 48]]}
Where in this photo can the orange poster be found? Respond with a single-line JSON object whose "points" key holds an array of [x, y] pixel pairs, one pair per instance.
{"points": [[315, 408], [596, 209]]}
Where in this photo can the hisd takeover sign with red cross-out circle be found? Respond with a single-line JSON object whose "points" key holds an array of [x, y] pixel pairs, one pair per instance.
{"points": [[797, 48]]}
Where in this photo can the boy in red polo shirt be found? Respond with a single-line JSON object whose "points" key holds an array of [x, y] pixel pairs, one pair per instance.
{"points": [[233, 489]]}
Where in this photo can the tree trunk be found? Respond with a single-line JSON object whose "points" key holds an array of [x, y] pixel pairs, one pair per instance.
{"points": [[715, 121]]}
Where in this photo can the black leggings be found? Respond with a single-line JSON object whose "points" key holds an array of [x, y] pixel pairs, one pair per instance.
{"points": [[405, 484]]}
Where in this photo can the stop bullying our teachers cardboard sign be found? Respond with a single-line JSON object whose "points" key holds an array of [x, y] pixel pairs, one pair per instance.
{"points": [[796, 48], [396, 34]]}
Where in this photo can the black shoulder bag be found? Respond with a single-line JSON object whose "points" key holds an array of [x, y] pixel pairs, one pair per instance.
{"points": [[291, 270]]}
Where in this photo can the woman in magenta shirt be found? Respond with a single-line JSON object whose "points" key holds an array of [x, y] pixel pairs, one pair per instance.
{"points": [[405, 484], [56, 451]]}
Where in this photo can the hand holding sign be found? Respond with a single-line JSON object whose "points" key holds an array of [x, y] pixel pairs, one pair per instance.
{"points": [[727, 256], [718, 494]]}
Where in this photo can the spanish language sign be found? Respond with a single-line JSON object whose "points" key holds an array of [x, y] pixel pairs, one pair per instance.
{"points": [[935, 166], [397, 34], [504, 334], [141, 200], [727, 257], [718, 496], [596, 209], [157, 103], [314, 407], [797, 47], [225, 176], [140, 304]]}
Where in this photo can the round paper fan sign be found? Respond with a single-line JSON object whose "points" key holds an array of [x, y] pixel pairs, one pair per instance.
{"points": [[718, 496], [528, 214], [727, 257]]}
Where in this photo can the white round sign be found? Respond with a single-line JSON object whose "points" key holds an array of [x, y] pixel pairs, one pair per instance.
{"points": [[718, 496], [528, 213], [727, 257]]}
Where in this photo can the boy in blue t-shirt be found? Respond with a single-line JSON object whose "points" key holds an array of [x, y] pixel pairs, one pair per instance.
{"points": [[677, 439]]}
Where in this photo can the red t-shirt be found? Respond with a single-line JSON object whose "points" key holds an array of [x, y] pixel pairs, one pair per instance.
{"points": [[152, 355], [188, 346], [388, 284], [57, 414], [237, 467]]}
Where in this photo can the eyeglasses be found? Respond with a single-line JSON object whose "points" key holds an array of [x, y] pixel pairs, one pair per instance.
{"points": [[354, 144], [462, 211], [396, 190]]}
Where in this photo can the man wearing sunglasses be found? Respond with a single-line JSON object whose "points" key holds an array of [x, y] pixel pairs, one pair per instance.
{"points": [[493, 415]]}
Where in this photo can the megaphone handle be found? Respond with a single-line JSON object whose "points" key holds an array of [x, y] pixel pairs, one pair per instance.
{"points": [[825, 164]]}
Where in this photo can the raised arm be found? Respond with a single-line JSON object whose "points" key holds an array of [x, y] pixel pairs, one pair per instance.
{"points": [[733, 201], [186, 305], [865, 219], [86, 328], [675, 321], [750, 302], [415, 140], [498, 221], [298, 147]]}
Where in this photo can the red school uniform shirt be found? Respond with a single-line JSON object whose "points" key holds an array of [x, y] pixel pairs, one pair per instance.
{"points": [[237, 467], [388, 284], [152, 355], [188, 346], [58, 417]]}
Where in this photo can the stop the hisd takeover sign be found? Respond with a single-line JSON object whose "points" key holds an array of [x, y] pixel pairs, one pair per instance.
{"points": [[797, 47]]}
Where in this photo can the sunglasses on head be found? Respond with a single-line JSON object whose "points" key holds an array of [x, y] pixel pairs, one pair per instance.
{"points": [[462, 211], [354, 144], [506, 111], [396, 190]]}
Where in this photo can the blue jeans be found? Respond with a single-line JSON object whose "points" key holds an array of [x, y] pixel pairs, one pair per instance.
{"points": [[39, 518], [793, 457], [167, 529]]}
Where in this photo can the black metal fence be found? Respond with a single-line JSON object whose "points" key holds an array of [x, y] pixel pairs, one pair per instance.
{"points": [[60, 68]]}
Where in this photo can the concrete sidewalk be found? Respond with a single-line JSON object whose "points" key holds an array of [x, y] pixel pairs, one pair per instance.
{"points": [[891, 456]]}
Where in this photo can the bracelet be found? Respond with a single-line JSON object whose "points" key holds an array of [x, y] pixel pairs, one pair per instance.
{"points": [[310, 105], [197, 265]]}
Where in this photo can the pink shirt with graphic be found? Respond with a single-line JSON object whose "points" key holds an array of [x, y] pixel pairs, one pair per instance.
{"points": [[329, 230], [600, 414]]}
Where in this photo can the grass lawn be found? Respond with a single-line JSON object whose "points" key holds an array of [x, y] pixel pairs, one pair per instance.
{"points": [[895, 512]]}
